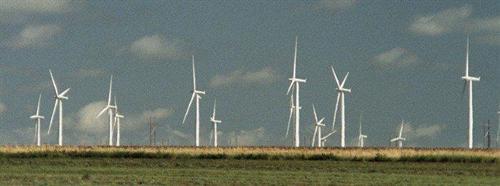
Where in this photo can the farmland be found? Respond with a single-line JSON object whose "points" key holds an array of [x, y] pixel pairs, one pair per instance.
{"points": [[246, 165]]}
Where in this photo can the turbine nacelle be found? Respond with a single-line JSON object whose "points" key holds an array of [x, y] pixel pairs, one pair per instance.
{"points": [[293, 80], [398, 139], [343, 90], [470, 78], [199, 92], [34, 117]]}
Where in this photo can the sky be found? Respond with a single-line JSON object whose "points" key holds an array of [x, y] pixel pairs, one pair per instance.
{"points": [[405, 60]]}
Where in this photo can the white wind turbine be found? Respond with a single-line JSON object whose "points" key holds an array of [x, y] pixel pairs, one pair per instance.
{"points": [[215, 123], [400, 138], [361, 137], [317, 131], [59, 98], [295, 82], [340, 102], [468, 82], [118, 117], [109, 107], [38, 119], [196, 94]]}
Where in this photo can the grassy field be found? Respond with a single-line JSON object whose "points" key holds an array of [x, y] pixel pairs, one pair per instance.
{"points": [[245, 166]]}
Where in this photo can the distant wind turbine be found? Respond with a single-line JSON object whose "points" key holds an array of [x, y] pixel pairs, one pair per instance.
{"points": [[215, 123], [38, 119], [468, 82], [318, 124], [109, 107], [340, 102], [400, 138], [361, 137], [498, 128], [118, 117], [196, 94], [59, 98], [295, 82]]}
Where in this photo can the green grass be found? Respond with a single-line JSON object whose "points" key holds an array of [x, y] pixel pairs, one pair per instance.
{"points": [[118, 171]]}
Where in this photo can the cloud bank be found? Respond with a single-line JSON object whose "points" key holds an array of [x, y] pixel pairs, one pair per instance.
{"points": [[157, 47], [240, 77], [35, 36]]}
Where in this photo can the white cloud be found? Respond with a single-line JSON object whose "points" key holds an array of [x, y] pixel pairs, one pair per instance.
{"points": [[159, 113], [453, 20], [3, 107], [35, 6], [335, 5], [263, 76], [156, 46], [441, 22], [86, 118], [35, 36], [396, 57], [18, 11], [247, 138]]}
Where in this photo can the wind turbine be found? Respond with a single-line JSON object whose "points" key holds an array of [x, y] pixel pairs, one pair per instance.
{"points": [[340, 102], [361, 137], [317, 130], [400, 139], [295, 82], [38, 118], [468, 82], [215, 122], [498, 128], [118, 117], [196, 94], [109, 107], [59, 98], [318, 124]]}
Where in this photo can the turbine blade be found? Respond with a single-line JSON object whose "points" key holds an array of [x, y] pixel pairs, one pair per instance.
{"points": [[467, 58], [53, 82], [215, 107], [110, 89], [64, 92], [401, 130], [53, 114], [315, 115], [194, 74], [314, 135], [295, 58], [292, 84], [335, 77], [38, 105], [116, 105], [336, 110], [102, 111], [189, 106], [329, 134], [360, 118], [463, 88], [343, 81], [290, 115]]}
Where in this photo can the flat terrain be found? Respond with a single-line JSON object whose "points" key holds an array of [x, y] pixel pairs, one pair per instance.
{"points": [[222, 166], [106, 171]]}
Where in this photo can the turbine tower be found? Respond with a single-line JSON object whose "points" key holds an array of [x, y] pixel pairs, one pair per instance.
{"points": [[468, 83], [109, 107], [59, 98], [317, 131], [118, 117], [196, 94], [38, 119], [340, 102], [400, 138], [215, 123], [361, 137], [295, 82], [498, 128]]}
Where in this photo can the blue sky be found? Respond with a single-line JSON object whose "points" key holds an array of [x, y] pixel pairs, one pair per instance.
{"points": [[405, 59]]}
